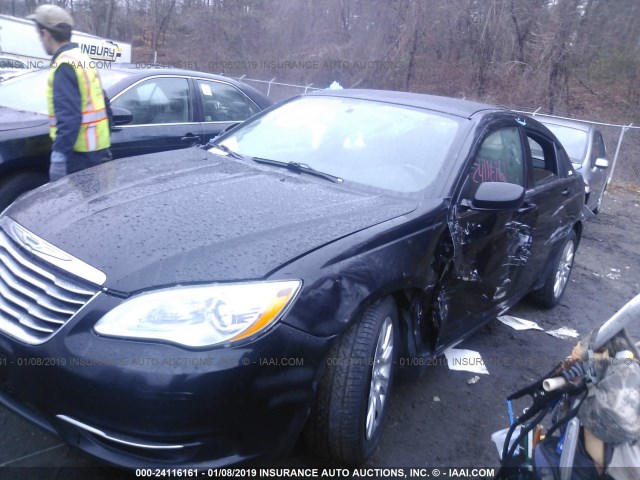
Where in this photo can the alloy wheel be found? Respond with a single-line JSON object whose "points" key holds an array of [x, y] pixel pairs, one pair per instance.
{"points": [[380, 377], [564, 269]]}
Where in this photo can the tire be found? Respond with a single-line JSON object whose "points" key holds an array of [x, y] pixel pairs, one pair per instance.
{"points": [[348, 413], [555, 284], [15, 185]]}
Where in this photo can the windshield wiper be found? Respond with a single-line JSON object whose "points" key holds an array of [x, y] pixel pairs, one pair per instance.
{"points": [[299, 167]]}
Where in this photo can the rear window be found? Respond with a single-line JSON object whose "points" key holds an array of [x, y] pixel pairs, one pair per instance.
{"points": [[573, 140]]}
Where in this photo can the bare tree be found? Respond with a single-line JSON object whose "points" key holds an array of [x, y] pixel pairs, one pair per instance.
{"points": [[162, 11], [110, 11], [570, 56]]}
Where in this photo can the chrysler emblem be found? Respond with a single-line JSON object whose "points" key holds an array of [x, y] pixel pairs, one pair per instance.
{"points": [[35, 244]]}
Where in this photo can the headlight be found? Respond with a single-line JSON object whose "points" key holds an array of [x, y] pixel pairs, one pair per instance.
{"points": [[202, 315]]}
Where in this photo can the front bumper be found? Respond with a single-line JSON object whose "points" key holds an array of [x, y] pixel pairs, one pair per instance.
{"points": [[140, 404]]}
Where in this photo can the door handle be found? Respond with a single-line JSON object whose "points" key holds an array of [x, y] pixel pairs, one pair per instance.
{"points": [[565, 192], [189, 137]]}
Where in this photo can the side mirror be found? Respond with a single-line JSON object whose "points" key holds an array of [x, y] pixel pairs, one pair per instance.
{"points": [[121, 116], [497, 196], [602, 163]]}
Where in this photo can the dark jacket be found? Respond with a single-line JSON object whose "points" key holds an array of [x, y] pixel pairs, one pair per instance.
{"points": [[68, 108]]}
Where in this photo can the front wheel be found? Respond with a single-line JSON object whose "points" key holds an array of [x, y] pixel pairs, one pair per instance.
{"points": [[550, 294], [353, 396]]}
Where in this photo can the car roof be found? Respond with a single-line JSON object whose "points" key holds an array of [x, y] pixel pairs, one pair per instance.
{"points": [[563, 122], [159, 70], [137, 72], [452, 106]]}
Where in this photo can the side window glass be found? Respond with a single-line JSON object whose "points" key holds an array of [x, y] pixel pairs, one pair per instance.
{"points": [[224, 103], [500, 158], [597, 149], [543, 156], [158, 100], [563, 158], [602, 148]]}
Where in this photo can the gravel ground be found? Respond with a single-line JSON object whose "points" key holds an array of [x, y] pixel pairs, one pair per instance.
{"points": [[440, 421]]}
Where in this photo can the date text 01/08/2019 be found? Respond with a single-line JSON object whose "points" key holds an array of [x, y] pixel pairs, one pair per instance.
{"points": [[301, 473]]}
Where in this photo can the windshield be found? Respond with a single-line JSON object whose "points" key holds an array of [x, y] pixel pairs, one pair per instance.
{"points": [[377, 144], [28, 92], [573, 140]]}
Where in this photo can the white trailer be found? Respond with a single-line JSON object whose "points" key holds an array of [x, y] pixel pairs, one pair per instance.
{"points": [[19, 40]]}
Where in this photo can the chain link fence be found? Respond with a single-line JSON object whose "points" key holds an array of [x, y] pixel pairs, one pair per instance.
{"points": [[277, 91], [626, 156], [622, 141]]}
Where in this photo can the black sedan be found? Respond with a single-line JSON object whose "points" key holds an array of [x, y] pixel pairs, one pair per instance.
{"points": [[155, 109], [206, 308]]}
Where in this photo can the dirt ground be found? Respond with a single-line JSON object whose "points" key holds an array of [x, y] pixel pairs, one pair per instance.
{"points": [[440, 421]]}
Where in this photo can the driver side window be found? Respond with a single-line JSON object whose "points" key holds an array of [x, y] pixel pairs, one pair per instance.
{"points": [[500, 158], [157, 101]]}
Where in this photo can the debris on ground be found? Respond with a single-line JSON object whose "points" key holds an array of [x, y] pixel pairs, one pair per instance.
{"points": [[564, 333], [519, 323], [522, 324], [614, 274], [465, 360]]}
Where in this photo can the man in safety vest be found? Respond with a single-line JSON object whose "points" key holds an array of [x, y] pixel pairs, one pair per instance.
{"points": [[78, 107]]}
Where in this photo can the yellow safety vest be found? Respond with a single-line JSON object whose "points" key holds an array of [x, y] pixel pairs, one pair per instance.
{"points": [[94, 130]]}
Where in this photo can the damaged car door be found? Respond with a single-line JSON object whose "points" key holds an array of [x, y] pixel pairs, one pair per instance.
{"points": [[556, 193], [491, 240]]}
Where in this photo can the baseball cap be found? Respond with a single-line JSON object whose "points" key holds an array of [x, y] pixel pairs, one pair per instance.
{"points": [[52, 17]]}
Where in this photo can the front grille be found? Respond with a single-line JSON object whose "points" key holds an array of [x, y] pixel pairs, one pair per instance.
{"points": [[35, 302]]}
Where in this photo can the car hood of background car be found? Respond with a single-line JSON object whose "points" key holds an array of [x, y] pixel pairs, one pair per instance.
{"points": [[11, 119], [191, 216]]}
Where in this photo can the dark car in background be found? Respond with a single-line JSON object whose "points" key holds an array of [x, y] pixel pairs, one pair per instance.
{"points": [[584, 143], [155, 109], [206, 308]]}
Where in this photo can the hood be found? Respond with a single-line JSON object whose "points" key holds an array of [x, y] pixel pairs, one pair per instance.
{"points": [[191, 216], [11, 119]]}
